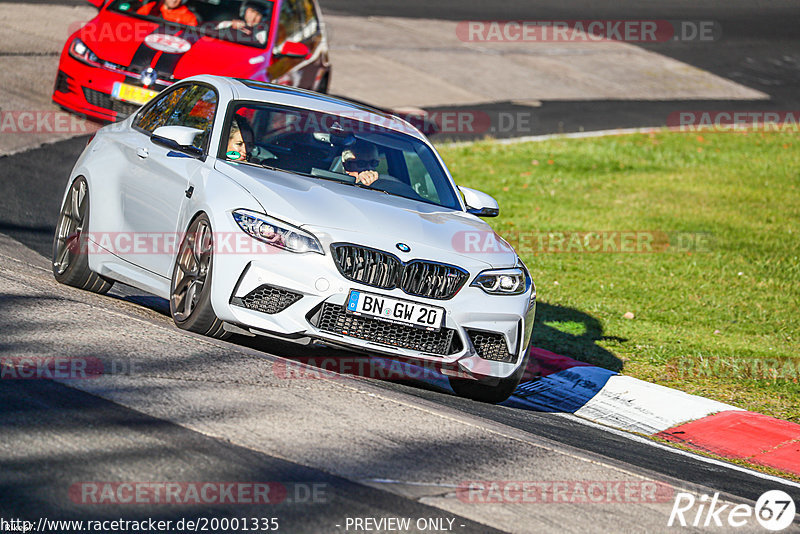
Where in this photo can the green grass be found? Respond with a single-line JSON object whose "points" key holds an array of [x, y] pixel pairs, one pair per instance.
{"points": [[723, 320]]}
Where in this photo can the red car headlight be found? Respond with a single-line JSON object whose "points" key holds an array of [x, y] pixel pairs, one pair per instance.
{"points": [[81, 52]]}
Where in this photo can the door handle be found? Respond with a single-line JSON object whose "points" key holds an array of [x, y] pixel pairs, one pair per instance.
{"points": [[142, 152]]}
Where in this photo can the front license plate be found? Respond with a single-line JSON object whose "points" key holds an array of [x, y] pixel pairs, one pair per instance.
{"points": [[395, 310], [131, 93]]}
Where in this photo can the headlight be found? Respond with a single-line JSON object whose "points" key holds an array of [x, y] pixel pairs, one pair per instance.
{"points": [[502, 281], [81, 52], [276, 233]]}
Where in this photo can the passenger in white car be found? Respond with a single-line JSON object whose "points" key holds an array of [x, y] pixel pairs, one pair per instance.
{"points": [[236, 150]]}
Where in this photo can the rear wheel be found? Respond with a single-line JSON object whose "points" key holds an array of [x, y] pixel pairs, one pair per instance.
{"points": [[71, 243], [190, 290], [484, 392]]}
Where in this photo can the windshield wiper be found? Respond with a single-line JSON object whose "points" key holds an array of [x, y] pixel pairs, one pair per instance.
{"points": [[329, 179], [273, 168]]}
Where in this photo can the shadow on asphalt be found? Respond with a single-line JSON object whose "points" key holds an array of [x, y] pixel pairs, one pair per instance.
{"points": [[68, 444]]}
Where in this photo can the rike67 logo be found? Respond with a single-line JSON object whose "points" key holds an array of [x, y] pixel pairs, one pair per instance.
{"points": [[774, 510]]}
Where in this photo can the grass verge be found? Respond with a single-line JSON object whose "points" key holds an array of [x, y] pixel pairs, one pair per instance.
{"points": [[712, 307]]}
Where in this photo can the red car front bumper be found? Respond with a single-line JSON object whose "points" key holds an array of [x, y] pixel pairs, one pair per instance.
{"points": [[86, 90]]}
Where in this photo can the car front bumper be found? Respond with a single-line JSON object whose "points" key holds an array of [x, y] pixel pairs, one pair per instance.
{"points": [[303, 296], [86, 90]]}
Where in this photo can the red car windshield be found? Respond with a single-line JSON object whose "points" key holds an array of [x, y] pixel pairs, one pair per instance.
{"points": [[240, 21]]}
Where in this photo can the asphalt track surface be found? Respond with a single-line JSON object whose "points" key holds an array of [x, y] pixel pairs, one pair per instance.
{"points": [[759, 49], [44, 410]]}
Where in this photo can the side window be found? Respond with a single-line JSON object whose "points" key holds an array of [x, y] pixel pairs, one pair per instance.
{"points": [[383, 165], [196, 109], [157, 111], [290, 25], [421, 181]]}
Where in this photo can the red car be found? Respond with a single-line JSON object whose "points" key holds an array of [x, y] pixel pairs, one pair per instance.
{"points": [[135, 48]]}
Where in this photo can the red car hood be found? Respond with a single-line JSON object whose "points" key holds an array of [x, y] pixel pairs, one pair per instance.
{"points": [[121, 39]]}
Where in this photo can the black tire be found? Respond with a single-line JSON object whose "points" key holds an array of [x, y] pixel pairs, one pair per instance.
{"points": [[70, 259], [488, 392], [190, 288]]}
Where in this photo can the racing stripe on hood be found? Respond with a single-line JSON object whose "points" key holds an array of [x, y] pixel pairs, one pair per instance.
{"points": [[142, 58], [144, 55], [165, 66]]}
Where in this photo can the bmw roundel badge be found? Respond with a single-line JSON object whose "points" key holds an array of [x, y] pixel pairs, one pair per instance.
{"points": [[402, 247]]}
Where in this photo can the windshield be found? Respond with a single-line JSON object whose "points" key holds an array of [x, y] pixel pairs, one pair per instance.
{"points": [[239, 21], [336, 147]]}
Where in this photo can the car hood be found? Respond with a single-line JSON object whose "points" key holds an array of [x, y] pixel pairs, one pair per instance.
{"points": [[120, 39], [338, 212]]}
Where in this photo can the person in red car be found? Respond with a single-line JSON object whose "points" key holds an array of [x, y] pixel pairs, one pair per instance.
{"points": [[250, 24], [169, 10]]}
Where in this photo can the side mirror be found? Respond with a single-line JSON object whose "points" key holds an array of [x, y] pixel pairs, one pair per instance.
{"points": [[479, 203], [177, 138], [294, 50]]}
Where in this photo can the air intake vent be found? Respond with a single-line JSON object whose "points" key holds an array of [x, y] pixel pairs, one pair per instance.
{"points": [[368, 266], [267, 299], [490, 346], [333, 318], [380, 269], [103, 100]]}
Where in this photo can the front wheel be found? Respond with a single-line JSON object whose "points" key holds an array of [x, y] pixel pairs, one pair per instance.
{"points": [[190, 290], [71, 243], [484, 392]]}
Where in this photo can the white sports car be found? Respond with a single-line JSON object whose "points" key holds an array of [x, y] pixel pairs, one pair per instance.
{"points": [[270, 210]]}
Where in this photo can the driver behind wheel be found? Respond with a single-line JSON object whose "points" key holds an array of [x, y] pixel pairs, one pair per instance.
{"points": [[250, 21], [360, 162]]}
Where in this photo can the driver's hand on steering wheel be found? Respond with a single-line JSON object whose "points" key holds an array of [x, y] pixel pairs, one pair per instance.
{"points": [[367, 177]]}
